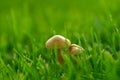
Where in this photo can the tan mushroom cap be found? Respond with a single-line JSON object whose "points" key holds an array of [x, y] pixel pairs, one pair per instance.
{"points": [[57, 41], [75, 49]]}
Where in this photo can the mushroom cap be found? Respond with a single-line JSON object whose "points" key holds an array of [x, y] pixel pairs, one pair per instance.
{"points": [[75, 49], [57, 41]]}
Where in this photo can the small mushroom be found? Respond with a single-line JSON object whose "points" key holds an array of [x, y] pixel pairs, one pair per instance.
{"points": [[75, 49], [58, 42]]}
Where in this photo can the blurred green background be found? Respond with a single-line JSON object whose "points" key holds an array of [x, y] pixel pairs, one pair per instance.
{"points": [[40, 19]]}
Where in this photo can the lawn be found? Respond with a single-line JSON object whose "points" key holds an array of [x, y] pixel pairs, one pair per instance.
{"points": [[26, 25]]}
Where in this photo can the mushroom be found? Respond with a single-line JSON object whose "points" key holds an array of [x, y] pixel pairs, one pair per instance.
{"points": [[58, 42], [75, 49]]}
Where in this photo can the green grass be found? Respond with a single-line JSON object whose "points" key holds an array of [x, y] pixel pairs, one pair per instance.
{"points": [[25, 26]]}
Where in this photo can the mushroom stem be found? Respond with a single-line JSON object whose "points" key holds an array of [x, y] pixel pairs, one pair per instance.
{"points": [[60, 58]]}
